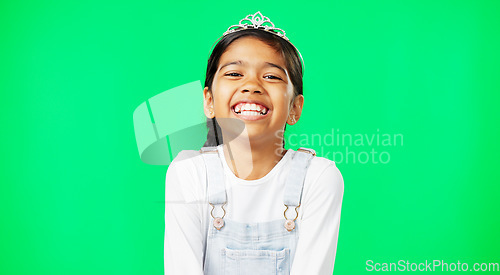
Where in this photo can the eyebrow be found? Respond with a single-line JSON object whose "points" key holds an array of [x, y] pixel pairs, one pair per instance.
{"points": [[268, 64], [238, 62]]}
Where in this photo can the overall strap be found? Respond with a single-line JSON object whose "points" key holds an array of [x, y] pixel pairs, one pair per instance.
{"points": [[295, 180], [215, 175]]}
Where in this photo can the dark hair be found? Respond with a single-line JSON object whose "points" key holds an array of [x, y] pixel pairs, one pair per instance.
{"points": [[287, 50]]}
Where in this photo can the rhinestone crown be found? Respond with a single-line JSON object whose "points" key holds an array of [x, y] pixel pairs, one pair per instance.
{"points": [[256, 21]]}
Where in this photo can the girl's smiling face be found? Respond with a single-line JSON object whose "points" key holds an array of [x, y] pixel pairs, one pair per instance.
{"points": [[252, 72]]}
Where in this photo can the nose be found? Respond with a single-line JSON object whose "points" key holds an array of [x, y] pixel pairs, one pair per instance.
{"points": [[252, 90], [252, 86]]}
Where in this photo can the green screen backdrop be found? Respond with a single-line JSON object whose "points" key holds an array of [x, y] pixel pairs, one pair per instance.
{"points": [[403, 95]]}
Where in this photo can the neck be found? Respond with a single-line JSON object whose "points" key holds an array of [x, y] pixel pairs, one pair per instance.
{"points": [[251, 160]]}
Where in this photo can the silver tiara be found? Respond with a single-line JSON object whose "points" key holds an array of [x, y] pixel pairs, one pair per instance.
{"points": [[257, 21]]}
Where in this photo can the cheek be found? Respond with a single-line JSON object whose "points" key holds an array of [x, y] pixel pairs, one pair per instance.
{"points": [[221, 100], [287, 95], [282, 106], [287, 99]]}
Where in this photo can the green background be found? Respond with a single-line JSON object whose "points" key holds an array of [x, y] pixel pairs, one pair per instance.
{"points": [[76, 199]]}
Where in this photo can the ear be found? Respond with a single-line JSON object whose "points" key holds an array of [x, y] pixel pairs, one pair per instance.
{"points": [[295, 110], [208, 103]]}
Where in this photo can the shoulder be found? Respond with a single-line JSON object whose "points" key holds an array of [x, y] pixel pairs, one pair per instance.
{"points": [[186, 174], [323, 190], [186, 160], [324, 175]]}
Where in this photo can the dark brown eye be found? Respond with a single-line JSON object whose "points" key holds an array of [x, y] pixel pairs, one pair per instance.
{"points": [[272, 77], [233, 74]]}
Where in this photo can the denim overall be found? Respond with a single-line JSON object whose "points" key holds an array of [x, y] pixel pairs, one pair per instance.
{"points": [[238, 248]]}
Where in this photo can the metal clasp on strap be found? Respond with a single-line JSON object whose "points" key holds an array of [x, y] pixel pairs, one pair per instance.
{"points": [[290, 224], [307, 150], [211, 149], [218, 221]]}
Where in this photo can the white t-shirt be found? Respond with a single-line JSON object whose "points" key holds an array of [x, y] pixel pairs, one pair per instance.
{"points": [[187, 212]]}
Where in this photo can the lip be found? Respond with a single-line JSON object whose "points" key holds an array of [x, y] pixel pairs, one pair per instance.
{"points": [[251, 117], [250, 101]]}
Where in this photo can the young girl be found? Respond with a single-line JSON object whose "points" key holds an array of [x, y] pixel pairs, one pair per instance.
{"points": [[247, 205]]}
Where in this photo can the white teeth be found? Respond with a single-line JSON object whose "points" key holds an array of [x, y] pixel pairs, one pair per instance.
{"points": [[250, 113], [250, 109]]}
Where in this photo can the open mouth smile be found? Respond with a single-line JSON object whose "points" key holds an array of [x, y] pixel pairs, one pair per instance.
{"points": [[250, 111]]}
